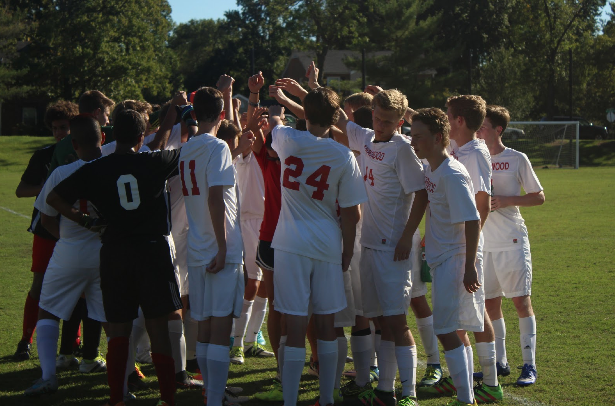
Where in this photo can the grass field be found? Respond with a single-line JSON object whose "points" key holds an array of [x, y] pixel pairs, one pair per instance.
{"points": [[573, 247]]}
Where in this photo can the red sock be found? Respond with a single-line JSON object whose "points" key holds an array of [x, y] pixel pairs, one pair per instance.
{"points": [[30, 318], [117, 357], [165, 370], [78, 338]]}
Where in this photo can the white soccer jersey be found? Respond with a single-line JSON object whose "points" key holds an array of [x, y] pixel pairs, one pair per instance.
{"points": [[251, 187], [474, 155], [78, 247], [391, 172], [505, 228], [205, 161], [316, 172], [451, 204]]}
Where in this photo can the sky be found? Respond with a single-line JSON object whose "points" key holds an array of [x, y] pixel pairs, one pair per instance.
{"points": [[185, 10]]}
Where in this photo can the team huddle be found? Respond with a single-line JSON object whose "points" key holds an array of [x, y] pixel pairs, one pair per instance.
{"points": [[180, 235]]}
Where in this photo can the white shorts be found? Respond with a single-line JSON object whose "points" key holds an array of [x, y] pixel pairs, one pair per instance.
{"points": [[453, 307], [62, 288], [216, 295], [508, 273], [180, 239], [385, 284], [250, 230], [346, 317], [300, 281], [355, 276], [419, 288]]}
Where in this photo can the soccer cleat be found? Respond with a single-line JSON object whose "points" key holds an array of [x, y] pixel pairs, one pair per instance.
{"points": [[318, 403], [337, 396], [185, 381], [192, 366], [457, 402], [408, 401], [42, 387], [528, 375], [374, 374], [78, 350], [487, 394], [502, 371], [443, 387], [144, 358], [373, 397], [314, 368], [230, 346], [162, 403], [234, 389], [232, 397], [257, 350], [350, 374], [349, 359], [93, 365], [273, 395], [433, 374], [129, 397], [23, 351], [135, 383], [237, 355], [351, 389], [260, 338], [66, 361], [138, 372]]}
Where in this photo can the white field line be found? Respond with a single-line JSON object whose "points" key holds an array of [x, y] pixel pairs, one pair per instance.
{"points": [[14, 212]]}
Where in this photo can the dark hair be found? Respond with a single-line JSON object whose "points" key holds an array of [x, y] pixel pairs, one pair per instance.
{"points": [[363, 117], [471, 107], [268, 141], [321, 107], [136, 105], [208, 104], [62, 110], [228, 130], [301, 124], [499, 116], [436, 120], [85, 131], [92, 100], [128, 127]]}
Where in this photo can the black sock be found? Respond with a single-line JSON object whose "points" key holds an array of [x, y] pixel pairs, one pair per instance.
{"points": [[70, 328]]}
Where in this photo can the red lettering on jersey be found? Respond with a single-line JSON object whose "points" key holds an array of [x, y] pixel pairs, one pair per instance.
{"points": [[500, 166], [429, 185], [378, 156], [195, 188], [368, 175], [295, 173], [318, 179]]}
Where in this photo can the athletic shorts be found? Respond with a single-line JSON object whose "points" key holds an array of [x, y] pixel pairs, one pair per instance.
{"points": [[138, 273], [419, 288], [264, 255], [454, 308], [249, 233], [355, 276], [62, 288], [385, 284], [180, 239], [302, 281], [216, 295], [508, 273], [346, 317], [42, 250]]}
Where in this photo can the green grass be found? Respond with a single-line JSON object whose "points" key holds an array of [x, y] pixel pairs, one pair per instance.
{"points": [[573, 252]]}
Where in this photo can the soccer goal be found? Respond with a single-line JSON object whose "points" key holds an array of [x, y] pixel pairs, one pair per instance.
{"points": [[548, 144]]}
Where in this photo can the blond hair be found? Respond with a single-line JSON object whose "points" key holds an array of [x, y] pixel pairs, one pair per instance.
{"points": [[391, 100], [358, 100], [437, 122]]}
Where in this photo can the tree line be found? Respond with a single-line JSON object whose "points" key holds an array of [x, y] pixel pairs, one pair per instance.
{"points": [[516, 53]]}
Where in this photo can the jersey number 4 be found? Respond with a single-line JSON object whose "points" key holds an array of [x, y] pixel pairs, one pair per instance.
{"points": [[195, 188], [318, 179], [368, 175]]}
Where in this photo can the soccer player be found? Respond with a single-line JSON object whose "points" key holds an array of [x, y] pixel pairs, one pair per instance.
{"points": [[393, 175], [452, 231], [508, 262], [57, 119], [215, 248], [317, 172], [128, 189], [74, 266]]}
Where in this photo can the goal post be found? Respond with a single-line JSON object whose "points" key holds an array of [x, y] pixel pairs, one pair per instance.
{"points": [[548, 144]]}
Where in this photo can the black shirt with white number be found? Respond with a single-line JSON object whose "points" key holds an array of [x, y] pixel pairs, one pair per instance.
{"points": [[128, 190]]}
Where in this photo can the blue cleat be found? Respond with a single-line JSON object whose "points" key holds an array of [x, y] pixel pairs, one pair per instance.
{"points": [[528, 375]]}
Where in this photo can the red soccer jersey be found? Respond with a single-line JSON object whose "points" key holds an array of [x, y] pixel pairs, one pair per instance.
{"points": [[273, 194]]}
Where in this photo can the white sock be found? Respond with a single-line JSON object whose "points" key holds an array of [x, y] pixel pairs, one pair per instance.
{"points": [[362, 351], [191, 329], [342, 352], [130, 361], [327, 357], [499, 327], [470, 358], [218, 361], [281, 355], [429, 339], [178, 344], [294, 359], [47, 335], [406, 362], [527, 328], [388, 366], [375, 345], [259, 310], [140, 336], [242, 322], [457, 363], [233, 329], [486, 359], [201, 359]]}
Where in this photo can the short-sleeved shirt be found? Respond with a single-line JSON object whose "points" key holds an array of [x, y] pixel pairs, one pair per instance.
{"points": [[505, 228], [206, 161], [451, 204], [78, 247], [128, 190], [391, 172], [317, 175], [251, 187], [273, 194], [35, 174], [65, 153]]}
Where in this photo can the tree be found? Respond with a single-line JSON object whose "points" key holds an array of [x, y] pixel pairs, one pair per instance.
{"points": [[12, 27]]}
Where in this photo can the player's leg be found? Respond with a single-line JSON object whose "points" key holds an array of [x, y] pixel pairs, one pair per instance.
{"points": [[527, 329], [92, 360], [259, 311], [70, 330]]}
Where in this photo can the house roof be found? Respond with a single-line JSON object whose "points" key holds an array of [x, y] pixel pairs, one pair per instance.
{"points": [[335, 60]]}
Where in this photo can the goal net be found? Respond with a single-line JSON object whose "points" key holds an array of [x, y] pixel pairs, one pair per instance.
{"points": [[548, 144]]}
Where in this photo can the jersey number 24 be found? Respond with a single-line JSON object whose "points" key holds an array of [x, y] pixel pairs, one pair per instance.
{"points": [[318, 179]]}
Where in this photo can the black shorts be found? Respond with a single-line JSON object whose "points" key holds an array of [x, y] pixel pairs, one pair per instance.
{"points": [[264, 255], [138, 273]]}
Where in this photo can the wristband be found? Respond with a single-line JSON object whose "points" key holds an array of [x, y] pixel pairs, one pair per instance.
{"points": [[254, 92], [257, 104], [191, 123]]}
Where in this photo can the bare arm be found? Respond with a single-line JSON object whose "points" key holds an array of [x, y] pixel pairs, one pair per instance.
{"points": [[255, 83], [527, 200], [244, 146], [275, 116], [164, 131], [236, 115], [217, 209], [64, 208], [472, 233], [225, 85], [294, 108], [51, 224], [342, 125], [313, 76], [255, 124], [350, 216], [26, 190], [404, 245], [292, 87], [483, 205]]}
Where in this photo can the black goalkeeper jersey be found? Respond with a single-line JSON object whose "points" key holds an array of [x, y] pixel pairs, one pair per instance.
{"points": [[128, 190]]}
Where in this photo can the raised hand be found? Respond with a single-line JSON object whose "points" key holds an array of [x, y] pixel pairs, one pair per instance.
{"points": [[291, 86], [255, 121], [313, 76], [276, 111], [256, 82], [276, 93], [236, 104], [225, 83], [373, 89], [180, 99], [245, 141]]}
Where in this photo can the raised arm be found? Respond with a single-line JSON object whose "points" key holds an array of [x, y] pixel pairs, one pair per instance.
{"points": [[244, 146], [164, 131], [225, 85], [236, 115], [255, 124], [276, 93], [292, 87], [276, 114], [342, 124], [255, 83], [313, 76]]}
